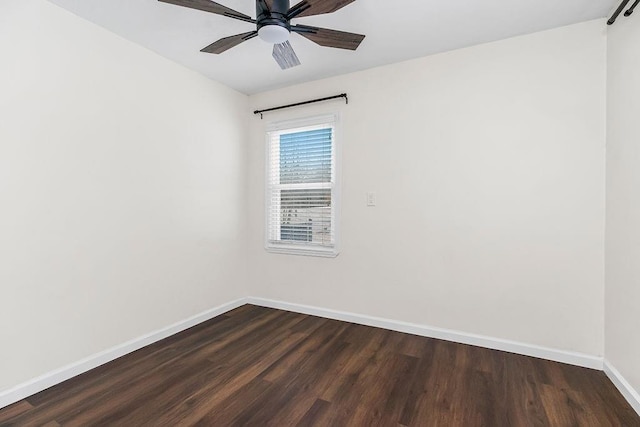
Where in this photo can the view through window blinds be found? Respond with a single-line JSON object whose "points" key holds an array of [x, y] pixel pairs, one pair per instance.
{"points": [[301, 181]]}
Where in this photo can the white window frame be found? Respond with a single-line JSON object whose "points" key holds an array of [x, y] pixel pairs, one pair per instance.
{"points": [[302, 249]]}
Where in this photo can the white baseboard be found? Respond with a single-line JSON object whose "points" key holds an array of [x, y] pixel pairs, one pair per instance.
{"points": [[36, 385], [562, 356], [52, 378], [629, 393]]}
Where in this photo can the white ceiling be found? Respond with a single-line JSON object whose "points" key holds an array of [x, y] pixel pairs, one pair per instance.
{"points": [[396, 31]]}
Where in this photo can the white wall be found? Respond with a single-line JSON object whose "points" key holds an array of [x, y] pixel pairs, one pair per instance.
{"points": [[122, 198], [489, 168], [623, 200], [123, 192]]}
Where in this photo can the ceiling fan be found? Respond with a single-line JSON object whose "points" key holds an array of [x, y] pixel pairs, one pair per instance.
{"points": [[273, 22]]}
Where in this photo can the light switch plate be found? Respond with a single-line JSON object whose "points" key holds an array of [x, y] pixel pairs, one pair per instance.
{"points": [[371, 198]]}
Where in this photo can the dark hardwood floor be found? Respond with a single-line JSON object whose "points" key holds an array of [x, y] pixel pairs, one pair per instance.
{"points": [[258, 366]]}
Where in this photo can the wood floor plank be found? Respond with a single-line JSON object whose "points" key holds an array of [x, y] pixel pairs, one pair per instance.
{"points": [[379, 404], [363, 354], [525, 391], [239, 404], [259, 366], [314, 415], [15, 410], [310, 378]]}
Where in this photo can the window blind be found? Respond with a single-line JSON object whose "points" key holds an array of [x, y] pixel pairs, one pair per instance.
{"points": [[301, 184]]}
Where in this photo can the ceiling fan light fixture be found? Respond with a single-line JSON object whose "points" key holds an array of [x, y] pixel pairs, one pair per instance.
{"points": [[274, 34]]}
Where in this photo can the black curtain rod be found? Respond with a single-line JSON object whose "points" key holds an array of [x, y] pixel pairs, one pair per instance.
{"points": [[630, 10], [342, 95], [620, 9]]}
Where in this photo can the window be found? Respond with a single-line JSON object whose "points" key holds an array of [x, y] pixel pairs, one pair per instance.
{"points": [[301, 187]]}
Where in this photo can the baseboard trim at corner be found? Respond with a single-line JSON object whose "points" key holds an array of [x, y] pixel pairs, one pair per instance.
{"points": [[568, 357], [24, 390], [629, 393], [36, 385]]}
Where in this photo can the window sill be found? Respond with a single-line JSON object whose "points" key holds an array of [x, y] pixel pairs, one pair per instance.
{"points": [[287, 250]]}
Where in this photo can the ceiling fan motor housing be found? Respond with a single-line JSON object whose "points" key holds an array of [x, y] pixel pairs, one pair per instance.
{"points": [[276, 16]]}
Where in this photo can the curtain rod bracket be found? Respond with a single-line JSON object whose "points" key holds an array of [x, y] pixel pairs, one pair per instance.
{"points": [[328, 98]]}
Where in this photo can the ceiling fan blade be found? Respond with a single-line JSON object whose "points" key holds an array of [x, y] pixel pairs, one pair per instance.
{"points": [[229, 42], [329, 38], [316, 7], [211, 6], [285, 56]]}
